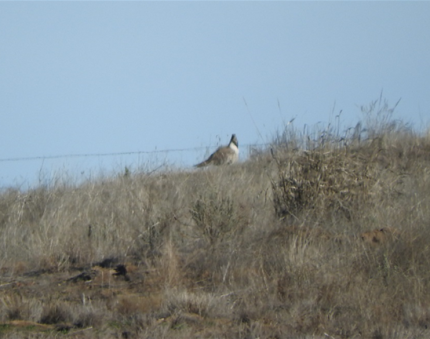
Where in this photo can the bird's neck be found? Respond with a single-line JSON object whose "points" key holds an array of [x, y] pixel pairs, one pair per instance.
{"points": [[234, 147]]}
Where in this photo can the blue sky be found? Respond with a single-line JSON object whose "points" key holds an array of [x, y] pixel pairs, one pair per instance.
{"points": [[113, 77]]}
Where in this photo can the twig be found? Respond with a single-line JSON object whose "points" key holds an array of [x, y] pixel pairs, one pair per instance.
{"points": [[78, 331]]}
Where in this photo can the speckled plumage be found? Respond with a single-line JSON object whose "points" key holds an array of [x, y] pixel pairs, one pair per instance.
{"points": [[223, 155]]}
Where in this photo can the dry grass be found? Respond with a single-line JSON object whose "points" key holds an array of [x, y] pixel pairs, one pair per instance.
{"points": [[270, 248]]}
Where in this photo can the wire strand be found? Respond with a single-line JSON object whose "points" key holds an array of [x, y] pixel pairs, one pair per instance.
{"points": [[95, 155]]}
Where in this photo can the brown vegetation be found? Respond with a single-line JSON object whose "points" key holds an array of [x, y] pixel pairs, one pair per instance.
{"points": [[270, 248], [380, 236]]}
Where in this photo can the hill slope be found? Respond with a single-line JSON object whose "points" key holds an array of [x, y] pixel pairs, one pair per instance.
{"points": [[271, 247]]}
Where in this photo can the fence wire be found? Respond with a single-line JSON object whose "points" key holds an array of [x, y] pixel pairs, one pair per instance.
{"points": [[97, 155]]}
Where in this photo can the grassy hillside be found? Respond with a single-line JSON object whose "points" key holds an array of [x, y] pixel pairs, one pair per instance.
{"points": [[269, 248]]}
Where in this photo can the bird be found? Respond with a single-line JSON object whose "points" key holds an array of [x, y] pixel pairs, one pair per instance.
{"points": [[225, 155]]}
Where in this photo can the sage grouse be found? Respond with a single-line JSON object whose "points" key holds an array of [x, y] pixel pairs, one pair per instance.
{"points": [[223, 155]]}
